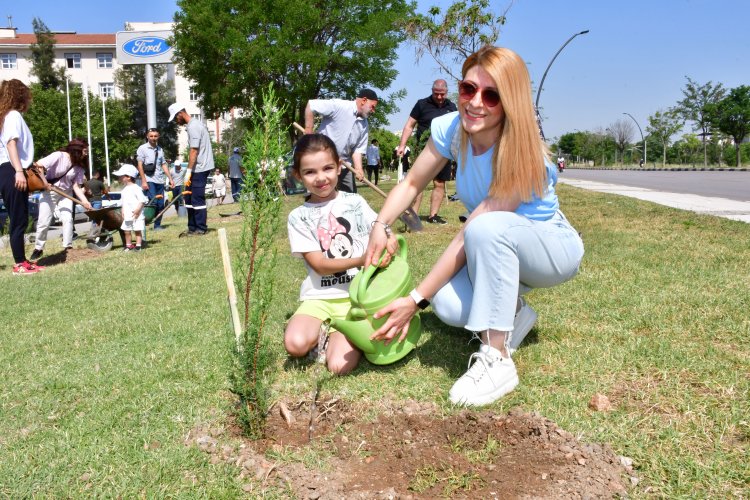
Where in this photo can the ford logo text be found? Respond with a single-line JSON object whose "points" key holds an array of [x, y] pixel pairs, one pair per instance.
{"points": [[146, 46]]}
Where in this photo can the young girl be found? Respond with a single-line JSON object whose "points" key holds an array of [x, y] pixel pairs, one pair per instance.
{"points": [[330, 232], [133, 201]]}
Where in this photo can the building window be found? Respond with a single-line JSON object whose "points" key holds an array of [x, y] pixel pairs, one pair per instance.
{"points": [[104, 60], [193, 94], [9, 61], [73, 60], [197, 116], [106, 90]]}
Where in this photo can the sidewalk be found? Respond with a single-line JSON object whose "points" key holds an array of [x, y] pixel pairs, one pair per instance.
{"points": [[720, 207]]}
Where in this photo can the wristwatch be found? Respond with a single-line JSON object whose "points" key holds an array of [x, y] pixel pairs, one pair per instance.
{"points": [[422, 303]]}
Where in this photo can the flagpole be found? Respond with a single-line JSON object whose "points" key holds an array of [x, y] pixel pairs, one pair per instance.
{"points": [[106, 145], [67, 95], [88, 126]]}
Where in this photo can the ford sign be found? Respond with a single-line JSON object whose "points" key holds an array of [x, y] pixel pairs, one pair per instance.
{"points": [[146, 46]]}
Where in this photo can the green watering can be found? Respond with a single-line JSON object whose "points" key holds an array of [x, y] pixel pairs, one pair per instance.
{"points": [[370, 291]]}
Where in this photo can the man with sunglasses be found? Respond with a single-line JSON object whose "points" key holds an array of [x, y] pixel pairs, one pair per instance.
{"points": [[421, 116], [345, 123]]}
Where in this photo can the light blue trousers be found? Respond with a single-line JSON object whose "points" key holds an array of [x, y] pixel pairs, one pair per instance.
{"points": [[506, 256]]}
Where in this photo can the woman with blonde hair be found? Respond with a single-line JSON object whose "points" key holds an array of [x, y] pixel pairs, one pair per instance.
{"points": [[515, 239], [16, 154]]}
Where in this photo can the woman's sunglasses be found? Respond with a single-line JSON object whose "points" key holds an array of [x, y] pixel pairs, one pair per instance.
{"points": [[467, 91]]}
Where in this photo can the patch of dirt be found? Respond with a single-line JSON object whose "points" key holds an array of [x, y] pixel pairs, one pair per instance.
{"points": [[68, 257], [413, 452]]}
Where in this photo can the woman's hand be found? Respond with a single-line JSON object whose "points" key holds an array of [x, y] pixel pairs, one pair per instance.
{"points": [[401, 311], [20, 181]]}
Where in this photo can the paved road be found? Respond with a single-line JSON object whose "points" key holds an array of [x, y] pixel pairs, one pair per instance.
{"points": [[730, 185], [709, 205]]}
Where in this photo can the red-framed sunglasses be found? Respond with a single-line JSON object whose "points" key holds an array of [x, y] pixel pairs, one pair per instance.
{"points": [[467, 91]]}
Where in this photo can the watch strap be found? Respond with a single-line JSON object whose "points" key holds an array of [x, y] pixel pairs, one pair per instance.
{"points": [[422, 303]]}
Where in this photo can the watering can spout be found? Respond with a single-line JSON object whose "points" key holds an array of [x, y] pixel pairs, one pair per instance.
{"points": [[358, 332]]}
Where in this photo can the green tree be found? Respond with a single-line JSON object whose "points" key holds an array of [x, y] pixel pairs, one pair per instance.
{"points": [[43, 57], [663, 125], [49, 126], [130, 80], [731, 115], [695, 104], [451, 38], [305, 50]]}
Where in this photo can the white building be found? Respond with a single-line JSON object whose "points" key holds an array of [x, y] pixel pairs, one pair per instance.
{"points": [[92, 59]]}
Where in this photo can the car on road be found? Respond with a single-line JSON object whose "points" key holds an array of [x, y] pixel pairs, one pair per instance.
{"points": [[112, 199]]}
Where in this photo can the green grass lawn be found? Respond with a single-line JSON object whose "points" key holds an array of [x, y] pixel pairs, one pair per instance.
{"points": [[106, 365]]}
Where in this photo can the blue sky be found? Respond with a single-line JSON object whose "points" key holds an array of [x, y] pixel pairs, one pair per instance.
{"points": [[634, 59]]}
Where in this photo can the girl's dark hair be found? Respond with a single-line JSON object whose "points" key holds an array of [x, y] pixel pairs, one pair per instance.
{"points": [[313, 143], [75, 149]]}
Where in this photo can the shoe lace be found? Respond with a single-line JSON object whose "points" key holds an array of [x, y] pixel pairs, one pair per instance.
{"points": [[479, 367]]}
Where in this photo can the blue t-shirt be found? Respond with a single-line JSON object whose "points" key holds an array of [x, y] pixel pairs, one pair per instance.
{"points": [[474, 178]]}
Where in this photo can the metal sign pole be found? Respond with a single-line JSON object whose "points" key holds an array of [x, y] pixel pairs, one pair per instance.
{"points": [[150, 96]]}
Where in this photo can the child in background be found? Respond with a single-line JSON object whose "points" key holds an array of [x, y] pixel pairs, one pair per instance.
{"points": [[219, 186], [329, 232], [133, 201]]}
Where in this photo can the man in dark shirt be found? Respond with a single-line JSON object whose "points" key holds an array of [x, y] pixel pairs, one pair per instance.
{"points": [[96, 188], [421, 116]]}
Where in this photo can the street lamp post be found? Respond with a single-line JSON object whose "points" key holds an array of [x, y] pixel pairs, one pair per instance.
{"points": [[541, 84], [642, 138]]}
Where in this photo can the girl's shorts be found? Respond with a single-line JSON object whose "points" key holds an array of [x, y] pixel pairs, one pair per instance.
{"points": [[324, 309], [134, 225]]}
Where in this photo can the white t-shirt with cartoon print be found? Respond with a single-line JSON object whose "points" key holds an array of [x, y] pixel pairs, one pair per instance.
{"points": [[340, 229]]}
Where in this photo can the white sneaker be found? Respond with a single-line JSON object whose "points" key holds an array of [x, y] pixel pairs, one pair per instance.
{"points": [[522, 325], [488, 379]]}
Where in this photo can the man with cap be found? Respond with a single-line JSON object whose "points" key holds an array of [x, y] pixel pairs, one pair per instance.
{"points": [[345, 123], [200, 165], [421, 116], [236, 174]]}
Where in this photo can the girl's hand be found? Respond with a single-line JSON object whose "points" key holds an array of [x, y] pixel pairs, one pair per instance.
{"points": [[391, 247], [401, 311], [20, 181], [378, 242]]}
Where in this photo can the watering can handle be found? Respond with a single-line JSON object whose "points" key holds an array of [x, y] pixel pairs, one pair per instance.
{"points": [[365, 280]]}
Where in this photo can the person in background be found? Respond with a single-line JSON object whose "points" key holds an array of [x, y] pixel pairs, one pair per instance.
{"points": [[200, 166], [16, 155], [96, 188], [153, 170], [133, 201], [516, 237], [64, 170], [236, 173], [373, 160], [345, 123], [421, 116], [219, 186], [178, 177]]}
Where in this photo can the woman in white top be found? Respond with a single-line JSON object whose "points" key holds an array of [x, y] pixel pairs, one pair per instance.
{"points": [[16, 154], [64, 170]]}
